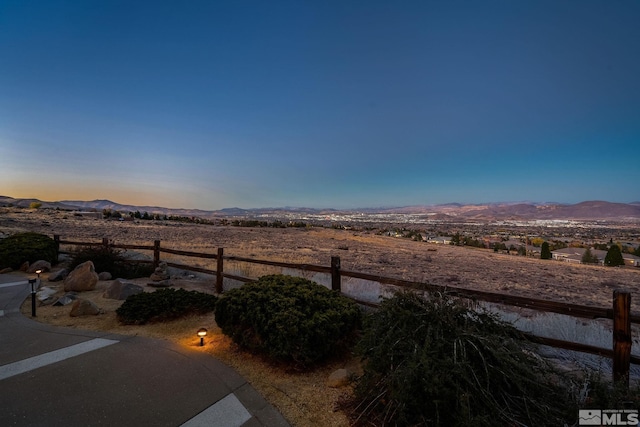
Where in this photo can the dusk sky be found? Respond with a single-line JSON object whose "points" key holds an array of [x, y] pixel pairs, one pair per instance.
{"points": [[343, 104]]}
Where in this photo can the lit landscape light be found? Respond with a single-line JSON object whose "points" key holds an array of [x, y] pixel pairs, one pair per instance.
{"points": [[202, 332]]}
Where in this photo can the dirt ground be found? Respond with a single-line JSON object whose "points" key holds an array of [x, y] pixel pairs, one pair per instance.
{"points": [[304, 398]]}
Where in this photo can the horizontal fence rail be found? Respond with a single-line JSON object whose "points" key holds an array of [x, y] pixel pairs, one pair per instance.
{"points": [[620, 313], [568, 309]]}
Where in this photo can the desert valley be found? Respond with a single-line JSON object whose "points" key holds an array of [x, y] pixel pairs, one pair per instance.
{"points": [[372, 243], [378, 249]]}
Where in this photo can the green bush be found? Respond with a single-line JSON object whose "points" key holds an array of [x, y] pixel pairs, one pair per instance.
{"points": [[163, 305], [436, 362], [111, 260], [18, 248], [289, 319]]}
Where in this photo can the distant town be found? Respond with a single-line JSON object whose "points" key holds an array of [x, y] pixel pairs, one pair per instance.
{"points": [[567, 239]]}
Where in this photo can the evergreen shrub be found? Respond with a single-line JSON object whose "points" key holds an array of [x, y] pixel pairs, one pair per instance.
{"points": [[163, 305], [289, 319], [545, 251], [614, 257], [31, 247]]}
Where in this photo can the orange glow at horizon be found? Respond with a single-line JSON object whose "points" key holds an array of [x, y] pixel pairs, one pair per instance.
{"points": [[55, 192]]}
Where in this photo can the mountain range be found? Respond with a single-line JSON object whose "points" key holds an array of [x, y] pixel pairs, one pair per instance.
{"points": [[588, 210]]}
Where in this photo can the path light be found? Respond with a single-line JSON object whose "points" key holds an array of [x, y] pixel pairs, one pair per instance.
{"points": [[202, 332], [32, 282]]}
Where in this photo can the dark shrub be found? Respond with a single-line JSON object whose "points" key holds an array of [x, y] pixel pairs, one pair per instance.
{"points": [[290, 319], [18, 248], [614, 257], [435, 362], [163, 305], [601, 392], [111, 260]]}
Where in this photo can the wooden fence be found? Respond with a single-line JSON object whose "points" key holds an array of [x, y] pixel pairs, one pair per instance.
{"points": [[620, 312]]}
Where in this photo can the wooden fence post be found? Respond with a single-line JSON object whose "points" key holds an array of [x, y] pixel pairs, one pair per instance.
{"points": [[335, 274], [56, 241], [621, 335], [156, 253], [219, 270]]}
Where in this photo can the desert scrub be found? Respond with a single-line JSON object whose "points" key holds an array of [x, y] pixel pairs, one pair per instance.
{"points": [[289, 319], [433, 361], [31, 247], [164, 305], [111, 260]]}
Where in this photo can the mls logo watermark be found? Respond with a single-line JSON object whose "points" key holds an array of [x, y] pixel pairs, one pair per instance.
{"points": [[608, 417]]}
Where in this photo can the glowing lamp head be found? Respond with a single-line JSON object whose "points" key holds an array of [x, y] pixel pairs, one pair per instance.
{"points": [[202, 332]]}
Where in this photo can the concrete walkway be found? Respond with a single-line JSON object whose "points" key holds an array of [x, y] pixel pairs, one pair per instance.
{"points": [[51, 376]]}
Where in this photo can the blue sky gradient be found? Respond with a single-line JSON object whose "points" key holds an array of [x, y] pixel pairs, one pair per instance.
{"points": [[344, 104]]}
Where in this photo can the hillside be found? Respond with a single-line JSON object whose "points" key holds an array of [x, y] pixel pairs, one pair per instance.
{"points": [[588, 210]]}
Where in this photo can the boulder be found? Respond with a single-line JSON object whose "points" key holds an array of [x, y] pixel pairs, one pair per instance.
{"points": [[58, 275], [66, 299], [121, 290], [339, 378], [82, 278], [48, 301], [45, 293], [83, 307], [39, 265], [6, 270], [24, 267], [105, 275]]}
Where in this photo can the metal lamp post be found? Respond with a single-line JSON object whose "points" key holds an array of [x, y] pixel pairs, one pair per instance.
{"points": [[202, 332], [32, 282]]}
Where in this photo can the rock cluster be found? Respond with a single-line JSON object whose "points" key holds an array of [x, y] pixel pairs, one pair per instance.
{"points": [[160, 277], [160, 273]]}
